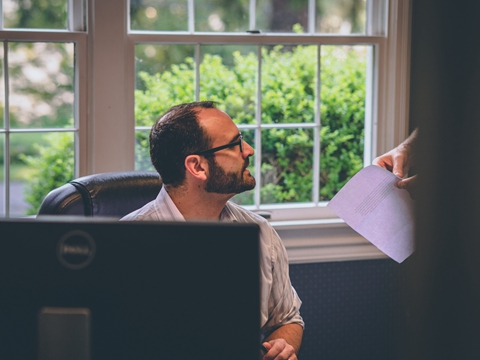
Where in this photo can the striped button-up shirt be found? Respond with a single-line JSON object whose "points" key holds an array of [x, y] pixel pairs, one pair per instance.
{"points": [[279, 302]]}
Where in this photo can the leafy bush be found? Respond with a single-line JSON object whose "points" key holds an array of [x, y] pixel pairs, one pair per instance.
{"points": [[53, 167], [343, 118], [288, 96]]}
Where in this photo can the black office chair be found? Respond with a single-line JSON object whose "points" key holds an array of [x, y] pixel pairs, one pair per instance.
{"points": [[112, 194]]}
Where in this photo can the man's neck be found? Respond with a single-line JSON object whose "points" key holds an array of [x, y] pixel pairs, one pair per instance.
{"points": [[198, 205]]}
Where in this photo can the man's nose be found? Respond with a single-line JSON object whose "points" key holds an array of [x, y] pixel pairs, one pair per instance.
{"points": [[247, 149]]}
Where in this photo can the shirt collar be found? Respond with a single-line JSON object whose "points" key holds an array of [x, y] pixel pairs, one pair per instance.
{"points": [[227, 214], [166, 206], [170, 212]]}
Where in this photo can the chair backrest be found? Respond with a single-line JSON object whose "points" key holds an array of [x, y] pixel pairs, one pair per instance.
{"points": [[113, 194]]}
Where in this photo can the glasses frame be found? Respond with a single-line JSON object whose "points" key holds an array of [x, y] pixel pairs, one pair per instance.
{"points": [[218, 148]]}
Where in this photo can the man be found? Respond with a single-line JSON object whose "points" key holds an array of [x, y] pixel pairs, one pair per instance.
{"points": [[202, 159]]}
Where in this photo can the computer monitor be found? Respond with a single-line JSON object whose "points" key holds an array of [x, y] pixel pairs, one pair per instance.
{"points": [[141, 290]]}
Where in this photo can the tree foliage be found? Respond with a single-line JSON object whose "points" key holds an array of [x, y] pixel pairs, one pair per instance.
{"points": [[36, 14], [53, 167], [288, 96]]}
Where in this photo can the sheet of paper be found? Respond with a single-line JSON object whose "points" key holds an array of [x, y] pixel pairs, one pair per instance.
{"points": [[383, 214]]}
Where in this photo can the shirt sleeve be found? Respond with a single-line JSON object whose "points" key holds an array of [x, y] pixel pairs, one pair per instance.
{"points": [[284, 303]]}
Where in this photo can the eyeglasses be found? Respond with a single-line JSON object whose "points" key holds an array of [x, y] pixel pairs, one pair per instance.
{"points": [[215, 149]]}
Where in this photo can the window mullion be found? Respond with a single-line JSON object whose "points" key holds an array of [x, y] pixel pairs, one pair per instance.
{"points": [[6, 124], [82, 108], [316, 136], [311, 16], [197, 72], [258, 131], [253, 15], [76, 113], [191, 16], [369, 109], [76, 15], [376, 17], [246, 38], [1, 15]]}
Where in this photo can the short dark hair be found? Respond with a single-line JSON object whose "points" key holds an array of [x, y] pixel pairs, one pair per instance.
{"points": [[174, 136]]}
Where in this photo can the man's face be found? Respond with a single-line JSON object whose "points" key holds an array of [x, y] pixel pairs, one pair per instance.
{"points": [[227, 168], [233, 182]]}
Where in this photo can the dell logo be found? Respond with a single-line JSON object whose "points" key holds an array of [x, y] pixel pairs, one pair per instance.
{"points": [[76, 250]]}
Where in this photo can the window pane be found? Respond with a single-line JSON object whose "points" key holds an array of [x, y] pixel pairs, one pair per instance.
{"points": [[165, 76], [228, 75], [35, 14], [142, 151], [221, 15], [343, 81], [2, 175], [41, 84], [341, 16], [287, 161], [39, 162], [282, 15], [159, 15], [288, 84], [247, 197]]}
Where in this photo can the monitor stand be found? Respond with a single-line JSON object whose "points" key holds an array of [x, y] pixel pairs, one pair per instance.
{"points": [[64, 333]]}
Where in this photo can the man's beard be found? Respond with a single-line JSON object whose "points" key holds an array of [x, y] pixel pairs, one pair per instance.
{"points": [[221, 182]]}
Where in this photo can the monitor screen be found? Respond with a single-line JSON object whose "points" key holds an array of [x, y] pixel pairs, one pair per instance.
{"points": [[129, 290]]}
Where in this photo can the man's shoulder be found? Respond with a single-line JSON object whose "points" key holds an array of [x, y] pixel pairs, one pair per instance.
{"points": [[146, 212], [243, 215]]}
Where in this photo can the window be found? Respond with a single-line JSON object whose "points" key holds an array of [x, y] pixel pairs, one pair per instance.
{"points": [[300, 79], [39, 117], [111, 51]]}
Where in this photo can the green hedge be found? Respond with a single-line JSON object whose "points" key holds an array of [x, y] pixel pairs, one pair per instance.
{"points": [[288, 96], [53, 166]]}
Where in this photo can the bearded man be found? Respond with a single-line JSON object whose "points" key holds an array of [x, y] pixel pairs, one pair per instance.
{"points": [[203, 160]]}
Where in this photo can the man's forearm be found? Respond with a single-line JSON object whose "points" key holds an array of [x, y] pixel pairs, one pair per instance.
{"points": [[291, 333]]}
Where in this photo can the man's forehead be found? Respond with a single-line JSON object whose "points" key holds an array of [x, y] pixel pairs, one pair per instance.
{"points": [[204, 114], [216, 120]]}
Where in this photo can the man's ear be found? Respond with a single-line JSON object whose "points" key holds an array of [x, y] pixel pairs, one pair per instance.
{"points": [[197, 166]]}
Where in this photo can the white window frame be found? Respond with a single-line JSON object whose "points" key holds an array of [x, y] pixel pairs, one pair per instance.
{"points": [[74, 34]]}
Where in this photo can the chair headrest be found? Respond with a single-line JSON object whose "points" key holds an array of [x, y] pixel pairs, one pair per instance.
{"points": [[106, 194]]}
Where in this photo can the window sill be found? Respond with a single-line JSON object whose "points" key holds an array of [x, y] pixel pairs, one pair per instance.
{"points": [[324, 240]]}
